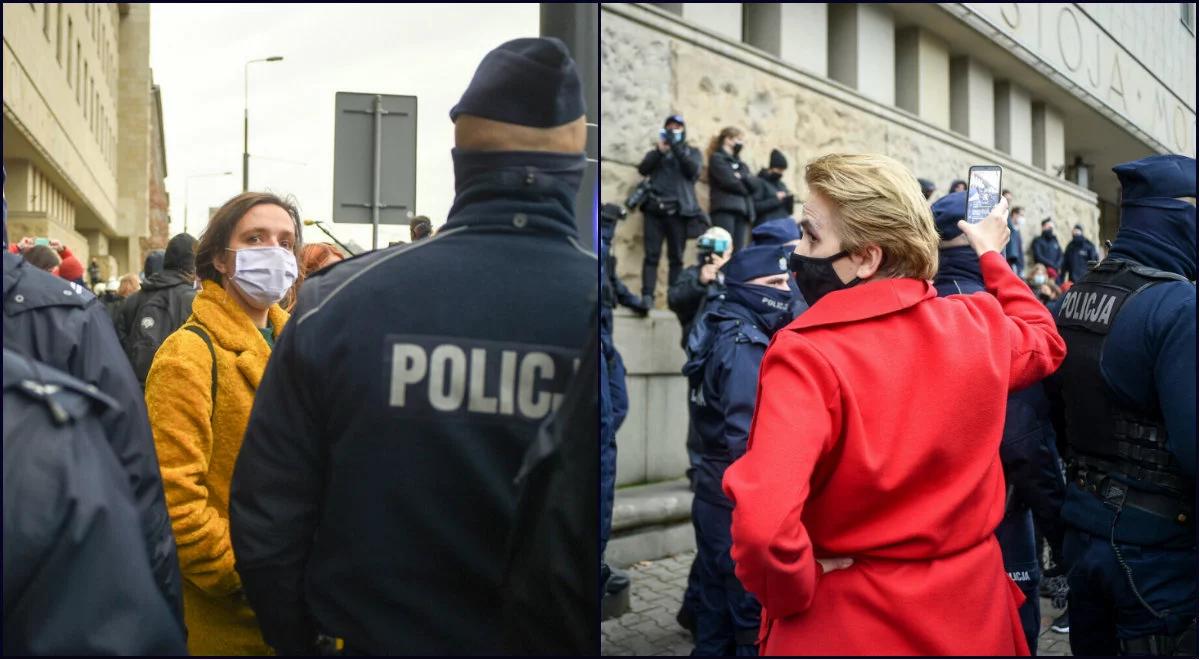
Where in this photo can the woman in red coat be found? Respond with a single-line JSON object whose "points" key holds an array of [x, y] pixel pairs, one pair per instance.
{"points": [[865, 506]]}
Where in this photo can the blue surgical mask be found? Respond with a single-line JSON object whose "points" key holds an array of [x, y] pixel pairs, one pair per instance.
{"points": [[264, 274]]}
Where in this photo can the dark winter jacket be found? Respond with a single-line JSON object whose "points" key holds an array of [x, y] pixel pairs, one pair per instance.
{"points": [[724, 353], [1076, 257], [673, 176], [687, 297], [1048, 252], [767, 206], [731, 185], [77, 578], [66, 327]]}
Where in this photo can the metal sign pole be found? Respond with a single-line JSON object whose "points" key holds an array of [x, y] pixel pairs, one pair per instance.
{"points": [[379, 112]]}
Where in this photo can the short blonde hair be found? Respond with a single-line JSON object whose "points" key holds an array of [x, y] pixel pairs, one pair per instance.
{"points": [[880, 203], [130, 283]]}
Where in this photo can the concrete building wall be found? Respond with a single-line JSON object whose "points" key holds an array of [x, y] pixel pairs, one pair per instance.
{"points": [[65, 124], [651, 67], [159, 220]]}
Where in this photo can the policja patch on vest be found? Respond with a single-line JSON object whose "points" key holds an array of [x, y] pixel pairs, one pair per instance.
{"points": [[431, 375]]}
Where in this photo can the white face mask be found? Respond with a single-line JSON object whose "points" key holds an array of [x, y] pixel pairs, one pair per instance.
{"points": [[1039, 279], [264, 274]]}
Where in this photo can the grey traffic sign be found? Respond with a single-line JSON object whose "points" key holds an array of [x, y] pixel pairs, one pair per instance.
{"points": [[374, 159]]}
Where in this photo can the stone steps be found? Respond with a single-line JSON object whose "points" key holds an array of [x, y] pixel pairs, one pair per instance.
{"points": [[651, 521]]}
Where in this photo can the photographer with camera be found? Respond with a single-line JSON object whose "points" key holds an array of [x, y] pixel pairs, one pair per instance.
{"points": [[772, 199], [667, 199], [698, 284]]}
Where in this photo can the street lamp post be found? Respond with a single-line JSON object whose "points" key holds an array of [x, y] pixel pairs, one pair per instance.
{"points": [[246, 118], [186, 186]]}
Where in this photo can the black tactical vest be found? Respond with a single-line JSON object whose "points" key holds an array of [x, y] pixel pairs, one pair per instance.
{"points": [[1105, 436]]}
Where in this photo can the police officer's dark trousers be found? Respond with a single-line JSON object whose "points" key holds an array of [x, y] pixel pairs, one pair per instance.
{"points": [[612, 370], [727, 616], [657, 228], [1018, 548], [737, 224], [1107, 616]]}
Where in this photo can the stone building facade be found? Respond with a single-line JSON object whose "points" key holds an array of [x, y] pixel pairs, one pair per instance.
{"points": [[1054, 93], [81, 124]]}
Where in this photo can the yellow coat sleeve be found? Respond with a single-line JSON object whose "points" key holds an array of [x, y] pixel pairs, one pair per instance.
{"points": [[179, 402]]}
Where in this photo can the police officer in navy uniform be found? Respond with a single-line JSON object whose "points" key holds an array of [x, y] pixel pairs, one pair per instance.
{"points": [[1027, 449], [77, 578], [1129, 397], [63, 325], [724, 353], [374, 491], [612, 292]]}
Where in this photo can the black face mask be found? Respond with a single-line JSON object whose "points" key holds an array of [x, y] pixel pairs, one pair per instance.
{"points": [[1048, 233], [737, 149], [816, 277], [770, 306]]}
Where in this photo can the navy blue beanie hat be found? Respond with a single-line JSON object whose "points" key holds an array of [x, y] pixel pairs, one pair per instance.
{"points": [[775, 232], [757, 261], [1159, 176], [777, 160], [678, 119], [528, 82], [1157, 229], [947, 211], [927, 186]]}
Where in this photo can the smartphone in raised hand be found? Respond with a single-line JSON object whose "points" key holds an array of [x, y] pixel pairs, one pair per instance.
{"points": [[983, 191]]}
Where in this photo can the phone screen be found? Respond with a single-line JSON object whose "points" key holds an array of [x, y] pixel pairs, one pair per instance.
{"points": [[41, 241], [983, 191]]}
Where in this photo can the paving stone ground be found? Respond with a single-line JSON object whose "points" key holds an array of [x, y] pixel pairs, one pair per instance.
{"points": [[649, 628]]}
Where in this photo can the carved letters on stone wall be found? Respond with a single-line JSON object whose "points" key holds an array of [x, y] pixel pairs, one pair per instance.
{"points": [[1072, 43]]}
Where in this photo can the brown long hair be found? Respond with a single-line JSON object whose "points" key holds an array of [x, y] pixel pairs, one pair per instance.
{"points": [[715, 143], [216, 236]]}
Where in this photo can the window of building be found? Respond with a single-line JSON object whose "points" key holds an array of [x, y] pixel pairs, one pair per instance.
{"points": [[78, 70], [46, 20], [70, 62], [1187, 11], [58, 31], [87, 91]]}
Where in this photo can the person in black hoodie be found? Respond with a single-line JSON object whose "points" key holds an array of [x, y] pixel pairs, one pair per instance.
{"points": [[672, 167], [772, 199], [731, 189], [160, 307], [1077, 255]]}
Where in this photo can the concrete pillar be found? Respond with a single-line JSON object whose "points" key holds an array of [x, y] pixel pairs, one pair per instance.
{"points": [[972, 104], [1049, 143], [773, 27], [724, 18], [1014, 121], [120, 250], [17, 184], [97, 241], [923, 75], [133, 127], [862, 49]]}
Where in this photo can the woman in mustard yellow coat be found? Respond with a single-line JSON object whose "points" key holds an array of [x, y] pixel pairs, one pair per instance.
{"points": [[199, 393]]}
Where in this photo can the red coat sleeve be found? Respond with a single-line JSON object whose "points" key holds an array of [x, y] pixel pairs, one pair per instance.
{"points": [[1036, 348], [769, 485]]}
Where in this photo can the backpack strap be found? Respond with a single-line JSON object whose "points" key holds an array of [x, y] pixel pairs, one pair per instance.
{"points": [[200, 332]]}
